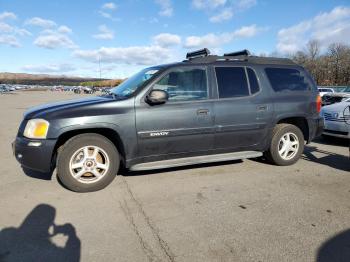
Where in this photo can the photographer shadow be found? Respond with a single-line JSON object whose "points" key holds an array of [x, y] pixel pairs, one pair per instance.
{"points": [[33, 240]]}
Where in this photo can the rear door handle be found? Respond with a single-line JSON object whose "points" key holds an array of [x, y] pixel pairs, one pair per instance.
{"points": [[202, 112], [262, 107]]}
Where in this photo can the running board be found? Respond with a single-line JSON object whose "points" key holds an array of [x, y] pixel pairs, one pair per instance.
{"points": [[195, 160]]}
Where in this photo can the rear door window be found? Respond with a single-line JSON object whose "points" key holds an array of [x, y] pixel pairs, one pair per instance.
{"points": [[282, 79], [232, 82]]}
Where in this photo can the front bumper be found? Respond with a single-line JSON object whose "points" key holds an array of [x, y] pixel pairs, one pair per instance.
{"points": [[337, 129], [34, 154]]}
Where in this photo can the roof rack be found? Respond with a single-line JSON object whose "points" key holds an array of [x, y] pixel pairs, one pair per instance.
{"points": [[203, 56], [244, 52], [199, 53]]}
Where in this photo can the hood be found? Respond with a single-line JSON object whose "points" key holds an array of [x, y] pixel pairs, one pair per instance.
{"points": [[337, 107], [44, 111]]}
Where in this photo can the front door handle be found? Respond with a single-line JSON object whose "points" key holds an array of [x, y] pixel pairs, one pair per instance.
{"points": [[261, 108], [202, 112]]}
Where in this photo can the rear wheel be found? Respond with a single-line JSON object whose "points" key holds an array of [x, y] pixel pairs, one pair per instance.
{"points": [[287, 145], [87, 162]]}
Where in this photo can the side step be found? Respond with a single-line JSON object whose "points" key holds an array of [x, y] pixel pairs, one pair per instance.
{"points": [[195, 160]]}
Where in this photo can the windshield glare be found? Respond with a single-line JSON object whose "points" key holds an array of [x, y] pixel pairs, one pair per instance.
{"points": [[129, 86]]}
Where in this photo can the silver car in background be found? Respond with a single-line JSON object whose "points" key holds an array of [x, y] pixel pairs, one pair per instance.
{"points": [[337, 119]]}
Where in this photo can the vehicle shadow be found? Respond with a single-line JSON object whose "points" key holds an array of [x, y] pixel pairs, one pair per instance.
{"points": [[335, 249], [330, 159], [334, 141], [126, 172], [36, 174], [34, 239]]}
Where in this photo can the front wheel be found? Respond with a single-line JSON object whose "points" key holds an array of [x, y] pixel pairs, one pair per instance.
{"points": [[87, 162], [287, 145]]}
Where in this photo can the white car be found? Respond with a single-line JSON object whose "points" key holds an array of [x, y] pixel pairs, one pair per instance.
{"points": [[325, 90], [337, 119]]}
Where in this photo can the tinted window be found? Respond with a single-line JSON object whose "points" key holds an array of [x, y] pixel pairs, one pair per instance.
{"points": [[232, 82], [184, 84], [253, 81], [286, 79]]}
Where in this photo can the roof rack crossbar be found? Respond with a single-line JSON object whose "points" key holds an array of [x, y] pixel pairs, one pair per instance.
{"points": [[198, 53], [244, 52]]}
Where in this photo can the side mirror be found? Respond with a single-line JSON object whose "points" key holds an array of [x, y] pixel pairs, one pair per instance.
{"points": [[157, 97]]}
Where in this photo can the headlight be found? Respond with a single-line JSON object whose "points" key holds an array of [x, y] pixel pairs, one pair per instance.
{"points": [[36, 128]]}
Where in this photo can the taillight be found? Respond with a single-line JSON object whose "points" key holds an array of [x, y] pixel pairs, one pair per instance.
{"points": [[318, 103]]}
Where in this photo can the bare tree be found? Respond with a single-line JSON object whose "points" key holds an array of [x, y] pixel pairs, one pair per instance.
{"points": [[328, 68]]}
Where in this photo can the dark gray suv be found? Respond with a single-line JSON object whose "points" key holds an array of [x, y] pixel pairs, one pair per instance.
{"points": [[205, 109]]}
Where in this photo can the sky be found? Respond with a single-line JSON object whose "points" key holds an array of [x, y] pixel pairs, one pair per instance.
{"points": [[79, 37]]}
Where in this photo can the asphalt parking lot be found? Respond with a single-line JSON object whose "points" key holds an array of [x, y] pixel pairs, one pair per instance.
{"points": [[235, 211]]}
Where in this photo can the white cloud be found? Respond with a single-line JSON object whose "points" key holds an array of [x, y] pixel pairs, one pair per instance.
{"points": [[133, 55], [5, 28], [167, 40], [225, 14], [327, 27], [107, 9], [104, 33], [9, 40], [44, 23], [64, 29], [50, 68], [9, 33], [110, 6], [222, 10], [216, 40], [166, 7], [246, 4], [208, 4], [7, 15], [51, 39]]}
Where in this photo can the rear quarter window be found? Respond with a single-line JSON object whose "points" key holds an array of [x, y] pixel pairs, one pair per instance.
{"points": [[287, 79]]}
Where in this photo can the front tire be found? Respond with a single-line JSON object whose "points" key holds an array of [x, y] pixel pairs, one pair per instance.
{"points": [[87, 163], [286, 146]]}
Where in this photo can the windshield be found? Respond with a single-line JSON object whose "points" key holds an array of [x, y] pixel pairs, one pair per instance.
{"points": [[129, 86]]}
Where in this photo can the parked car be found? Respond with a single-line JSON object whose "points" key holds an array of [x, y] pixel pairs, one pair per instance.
{"points": [[337, 119], [207, 108], [331, 98], [325, 90], [4, 89]]}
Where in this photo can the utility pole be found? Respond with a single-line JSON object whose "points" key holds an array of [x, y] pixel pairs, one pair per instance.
{"points": [[99, 65]]}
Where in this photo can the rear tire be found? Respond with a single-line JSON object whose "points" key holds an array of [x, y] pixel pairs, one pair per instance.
{"points": [[287, 145], [87, 163]]}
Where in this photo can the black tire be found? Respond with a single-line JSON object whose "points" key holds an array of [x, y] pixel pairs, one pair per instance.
{"points": [[279, 131], [71, 146]]}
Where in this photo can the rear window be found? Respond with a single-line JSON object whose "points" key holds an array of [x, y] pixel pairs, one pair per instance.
{"points": [[232, 82], [287, 79]]}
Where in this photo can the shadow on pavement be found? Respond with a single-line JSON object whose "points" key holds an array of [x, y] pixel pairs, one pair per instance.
{"points": [[335, 249], [333, 141], [125, 172], [36, 174], [33, 239], [330, 159]]}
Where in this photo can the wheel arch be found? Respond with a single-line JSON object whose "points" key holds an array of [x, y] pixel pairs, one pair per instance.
{"points": [[109, 133], [299, 121]]}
